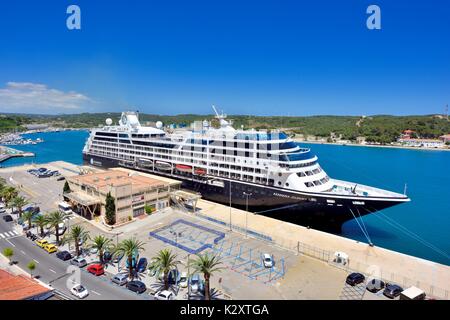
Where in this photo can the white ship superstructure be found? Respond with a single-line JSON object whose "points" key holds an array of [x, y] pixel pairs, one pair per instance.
{"points": [[223, 163]]}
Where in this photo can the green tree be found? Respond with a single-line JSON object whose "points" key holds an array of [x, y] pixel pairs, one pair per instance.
{"points": [[41, 221], [110, 209], [8, 193], [66, 188], [54, 219], [162, 263], [102, 244], [129, 248], [31, 266], [207, 265], [19, 202], [28, 217], [8, 253], [76, 234]]}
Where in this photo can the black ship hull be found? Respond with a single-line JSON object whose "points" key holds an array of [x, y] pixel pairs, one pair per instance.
{"points": [[319, 211]]}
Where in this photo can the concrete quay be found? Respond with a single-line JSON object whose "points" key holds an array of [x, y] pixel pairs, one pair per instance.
{"points": [[7, 153], [391, 266]]}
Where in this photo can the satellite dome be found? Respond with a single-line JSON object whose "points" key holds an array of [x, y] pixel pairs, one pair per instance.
{"points": [[159, 124], [109, 121]]}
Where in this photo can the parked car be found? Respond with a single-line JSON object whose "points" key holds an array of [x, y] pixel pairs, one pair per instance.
{"points": [[79, 262], [107, 256], [267, 260], [79, 291], [195, 283], [96, 269], [183, 280], [355, 278], [7, 218], [392, 291], [174, 276], [164, 295], [61, 228], [142, 265], [120, 278], [136, 286], [93, 251], [64, 255], [41, 243], [50, 248], [374, 285]]}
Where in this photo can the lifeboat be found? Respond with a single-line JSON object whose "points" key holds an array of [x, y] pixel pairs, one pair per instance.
{"points": [[163, 165], [183, 168], [200, 171]]}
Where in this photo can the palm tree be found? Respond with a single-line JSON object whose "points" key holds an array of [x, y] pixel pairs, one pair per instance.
{"points": [[54, 219], [28, 216], [129, 248], [163, 262], [8, 193], [41, 221], [101, 243], [77, 234], [19, 202], [207, 265]]}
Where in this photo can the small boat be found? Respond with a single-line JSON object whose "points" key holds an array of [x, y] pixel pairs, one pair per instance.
{"points": [[165, 166], [200, 171], [183, 168], [145, 163]]}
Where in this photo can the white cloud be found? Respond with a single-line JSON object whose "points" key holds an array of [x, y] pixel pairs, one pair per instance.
{"points": [[35, 97]]}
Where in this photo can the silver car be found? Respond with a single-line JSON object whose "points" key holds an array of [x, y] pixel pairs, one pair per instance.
{"points": [[79, 262], [120, 279]]}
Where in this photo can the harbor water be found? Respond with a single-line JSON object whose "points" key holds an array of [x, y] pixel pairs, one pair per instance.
{"points": [[420, 228]]}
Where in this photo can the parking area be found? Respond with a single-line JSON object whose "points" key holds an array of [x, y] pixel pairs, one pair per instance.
{"points": [[45, 192]]}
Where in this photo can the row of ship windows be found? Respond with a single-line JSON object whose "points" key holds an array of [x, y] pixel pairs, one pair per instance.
{"points": [[124, 138], [232, 167], [317, 182], [180, 153], [309, 173]]}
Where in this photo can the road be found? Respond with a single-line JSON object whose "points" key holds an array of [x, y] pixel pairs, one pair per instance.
{"points": [[53, 271]]}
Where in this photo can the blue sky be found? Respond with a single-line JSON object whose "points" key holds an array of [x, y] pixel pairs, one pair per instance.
{"points": [[247, 57]]}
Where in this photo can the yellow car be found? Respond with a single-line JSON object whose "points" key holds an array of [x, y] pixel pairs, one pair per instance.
{"points": [[50, 248], [41, 243]]}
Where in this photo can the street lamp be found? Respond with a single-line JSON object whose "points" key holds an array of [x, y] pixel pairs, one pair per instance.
{"points": [[189, 275], [246, 213], [230, 206]]}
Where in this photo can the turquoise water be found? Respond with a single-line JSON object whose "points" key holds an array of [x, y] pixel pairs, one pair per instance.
{"points": [[64, 145], [428, 185], [425, 172]]}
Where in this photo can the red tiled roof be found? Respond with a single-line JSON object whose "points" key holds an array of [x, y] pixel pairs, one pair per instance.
{"points": [[19, 287]]}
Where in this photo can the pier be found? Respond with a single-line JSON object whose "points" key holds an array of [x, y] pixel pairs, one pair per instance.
{"points": [[8, 153]]}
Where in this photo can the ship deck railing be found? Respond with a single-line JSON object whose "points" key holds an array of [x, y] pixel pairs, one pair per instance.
{"points": [[370, 191]]}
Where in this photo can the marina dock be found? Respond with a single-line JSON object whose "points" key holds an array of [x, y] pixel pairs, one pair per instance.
{"points": [[7, 153]]}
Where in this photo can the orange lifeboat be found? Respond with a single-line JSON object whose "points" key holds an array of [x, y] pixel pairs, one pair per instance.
{"points": [[183, 168], [200, 171]]}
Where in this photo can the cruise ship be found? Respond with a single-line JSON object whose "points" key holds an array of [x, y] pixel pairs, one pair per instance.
{"points": [[265, 172]]}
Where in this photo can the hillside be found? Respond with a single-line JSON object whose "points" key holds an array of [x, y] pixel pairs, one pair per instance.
{"points": [[377, 128]]}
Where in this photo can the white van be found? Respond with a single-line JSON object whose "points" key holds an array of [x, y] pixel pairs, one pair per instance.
{"points": [[64, 207]]}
